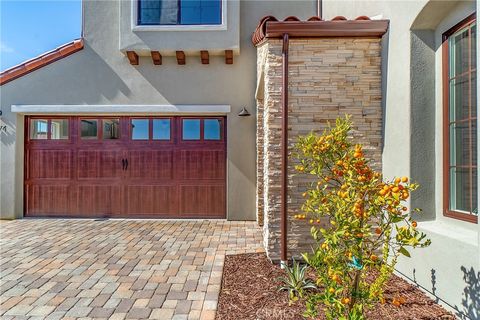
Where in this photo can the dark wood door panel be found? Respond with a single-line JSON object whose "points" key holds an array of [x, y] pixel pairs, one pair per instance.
{"points": [[99, 164], [150, 164], [49, 164], [157, 200], [100, 201], [200, 164], [48, 200], [202, 200]]}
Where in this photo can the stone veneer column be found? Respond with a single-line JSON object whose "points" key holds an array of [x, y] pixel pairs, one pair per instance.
{"points": [[328, 78]]}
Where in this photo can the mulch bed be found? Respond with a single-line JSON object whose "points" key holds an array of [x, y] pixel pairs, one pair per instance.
{"points": [[249, 291]]}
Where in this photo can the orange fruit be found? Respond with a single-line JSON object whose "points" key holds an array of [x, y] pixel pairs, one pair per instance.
{"points": [[345, 300], [373, 257], [404, 179], [331, 290], [378, 231], [414, 224], [397, 180]]}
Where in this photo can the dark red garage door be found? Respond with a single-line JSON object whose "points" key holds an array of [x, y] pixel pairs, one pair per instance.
{"points": [[172, 167]]}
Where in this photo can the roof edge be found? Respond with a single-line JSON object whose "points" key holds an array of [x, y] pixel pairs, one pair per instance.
{"points": [[40, 61], [363, 26]]}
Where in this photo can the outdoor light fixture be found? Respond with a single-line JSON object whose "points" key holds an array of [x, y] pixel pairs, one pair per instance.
{"points": [[244, 113]]}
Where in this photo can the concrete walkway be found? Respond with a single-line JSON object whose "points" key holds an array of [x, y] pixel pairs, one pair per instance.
{"points": [[116, 269]]}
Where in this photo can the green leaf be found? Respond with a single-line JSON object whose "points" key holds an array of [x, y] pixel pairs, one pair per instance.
{"points": [[404, 251]]}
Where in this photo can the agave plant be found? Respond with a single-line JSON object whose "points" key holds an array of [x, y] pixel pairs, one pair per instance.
{"points": [[295, 281]]}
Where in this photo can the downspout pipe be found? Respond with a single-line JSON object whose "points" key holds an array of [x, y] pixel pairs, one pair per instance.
{"points": [[319, 9], [284, 146]]}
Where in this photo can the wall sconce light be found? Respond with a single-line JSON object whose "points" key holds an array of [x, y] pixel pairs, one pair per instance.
{"points": [[244, 113]]}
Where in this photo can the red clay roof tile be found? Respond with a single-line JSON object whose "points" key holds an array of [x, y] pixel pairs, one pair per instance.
{"points": [[362, 26], [40, 61]]}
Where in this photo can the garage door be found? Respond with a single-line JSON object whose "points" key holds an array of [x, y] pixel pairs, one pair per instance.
{"points": [[170, 167]]}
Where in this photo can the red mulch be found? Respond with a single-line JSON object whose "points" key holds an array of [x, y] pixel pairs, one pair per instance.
{"points": [[250, 291]]}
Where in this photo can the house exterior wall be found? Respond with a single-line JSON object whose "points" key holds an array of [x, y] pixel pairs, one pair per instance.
{"points": [[101, 74], [191, 39], [412, 87], [328, 78]]}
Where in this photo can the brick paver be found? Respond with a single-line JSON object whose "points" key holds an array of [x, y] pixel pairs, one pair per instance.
{"points": [[117, 269]]}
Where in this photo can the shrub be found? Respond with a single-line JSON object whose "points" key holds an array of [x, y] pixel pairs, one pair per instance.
{"points": [[368, 224], [295, 281]]}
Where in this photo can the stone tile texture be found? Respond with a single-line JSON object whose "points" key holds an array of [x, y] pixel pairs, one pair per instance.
{"points": [[117, 269], [328, 78]]}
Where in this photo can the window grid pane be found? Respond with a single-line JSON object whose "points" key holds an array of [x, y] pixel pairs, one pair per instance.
{"points": [[462, 105], [140, 129], [179, 12], [111, 129], [38, 129], [59, 129], [191, 129], [161, 129], [211, 130], [89, 129]]}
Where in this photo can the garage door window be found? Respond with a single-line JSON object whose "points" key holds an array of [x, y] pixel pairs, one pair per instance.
{"points": [[140, 129], [161, 129], [89, 129], [211, 129], [111, 129], [191, 129], [59, 129], [38, 129]]}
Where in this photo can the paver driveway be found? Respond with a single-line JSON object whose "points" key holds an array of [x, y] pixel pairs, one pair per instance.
{"points": [[134, 269]]}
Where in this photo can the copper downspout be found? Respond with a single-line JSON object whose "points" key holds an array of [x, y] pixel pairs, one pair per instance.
{"points": [[319, 9], [284, 207]]}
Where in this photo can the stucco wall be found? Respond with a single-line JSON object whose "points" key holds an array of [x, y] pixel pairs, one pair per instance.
{"points": [[101, 74], [413, 139]]}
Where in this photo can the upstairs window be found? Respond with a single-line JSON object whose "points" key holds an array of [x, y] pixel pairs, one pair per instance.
{"points": [[460, 121], [179, 12]]}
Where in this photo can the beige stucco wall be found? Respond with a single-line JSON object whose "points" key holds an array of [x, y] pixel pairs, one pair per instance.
{"points": [[100, 74], [412, 87]]}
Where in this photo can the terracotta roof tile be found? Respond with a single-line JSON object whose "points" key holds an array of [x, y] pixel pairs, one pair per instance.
{"points": [[40, 61], [362, 26]]}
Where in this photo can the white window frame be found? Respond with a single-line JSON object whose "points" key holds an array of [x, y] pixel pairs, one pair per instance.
{"points": [[199, 27]]}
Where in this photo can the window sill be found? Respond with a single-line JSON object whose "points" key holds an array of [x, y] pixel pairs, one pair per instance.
{"points": [[445, 229], [219, 27]]}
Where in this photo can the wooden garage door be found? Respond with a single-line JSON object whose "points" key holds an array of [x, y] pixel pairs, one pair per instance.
{"points": [[172, 167]]}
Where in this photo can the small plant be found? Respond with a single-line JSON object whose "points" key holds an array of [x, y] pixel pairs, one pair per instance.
{"points": [[296, 282], [369, 224]]}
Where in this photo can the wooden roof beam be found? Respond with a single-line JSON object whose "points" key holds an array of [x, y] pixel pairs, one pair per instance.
{"points": [[205, 57], [132, 57], [180, 57], [156, 57], [229, 56]]}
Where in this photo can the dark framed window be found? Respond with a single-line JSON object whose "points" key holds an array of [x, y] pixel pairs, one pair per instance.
{"points": [[460, 121], [179, 12]]}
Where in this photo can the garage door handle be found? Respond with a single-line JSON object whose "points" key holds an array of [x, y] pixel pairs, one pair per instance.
{"points": [[126, 164], [123, 164]]}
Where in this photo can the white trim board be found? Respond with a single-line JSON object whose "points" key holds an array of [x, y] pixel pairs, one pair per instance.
{"points": [[218, 109]]}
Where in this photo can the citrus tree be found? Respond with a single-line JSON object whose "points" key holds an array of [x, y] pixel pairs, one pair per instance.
{"points": [[368, 225]]}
